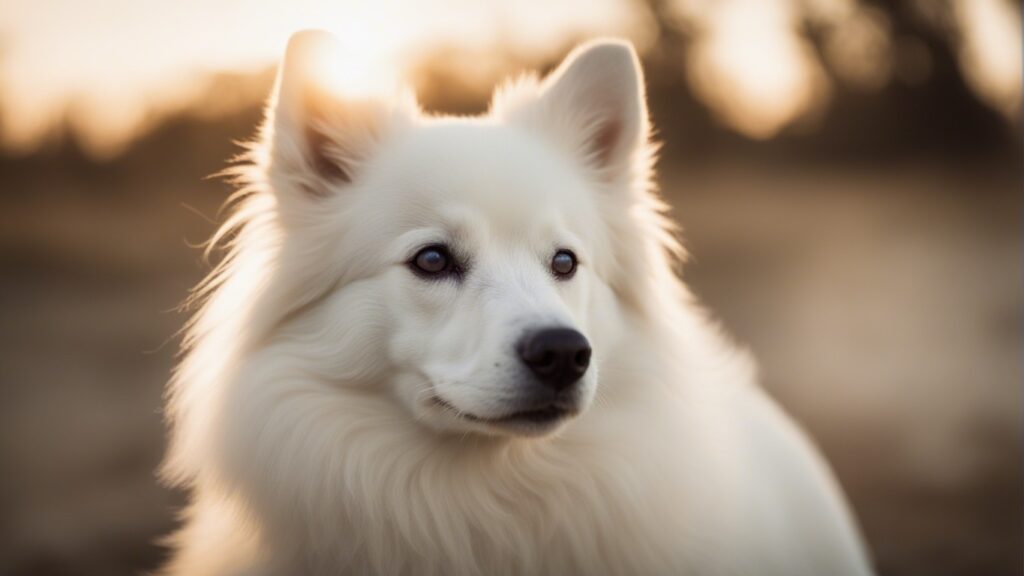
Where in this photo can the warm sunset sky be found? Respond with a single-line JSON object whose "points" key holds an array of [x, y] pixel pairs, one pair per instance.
{"points": [[112, 67]]}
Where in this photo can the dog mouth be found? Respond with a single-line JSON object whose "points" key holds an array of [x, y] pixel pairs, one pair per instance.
{"points": [[542, 416]]}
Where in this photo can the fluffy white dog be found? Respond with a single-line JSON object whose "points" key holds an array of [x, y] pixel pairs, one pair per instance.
{"points": [[459, 346]]}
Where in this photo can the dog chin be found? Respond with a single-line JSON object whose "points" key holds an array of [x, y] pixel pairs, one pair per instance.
{"points": [[533, 422]]}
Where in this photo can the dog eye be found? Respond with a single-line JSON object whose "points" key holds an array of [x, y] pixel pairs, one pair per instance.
{"points": [[432, 260], [563, 264]]}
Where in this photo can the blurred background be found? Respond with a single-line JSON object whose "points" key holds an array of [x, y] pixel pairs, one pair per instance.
{"points": [[847, 174]]}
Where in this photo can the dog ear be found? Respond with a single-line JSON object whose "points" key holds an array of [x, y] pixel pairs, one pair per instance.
{"points": [[595, 102], [319, 134]]}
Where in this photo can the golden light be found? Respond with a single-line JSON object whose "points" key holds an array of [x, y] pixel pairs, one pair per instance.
{"points": [[112, 78], [990, 51], [752, 70], [109, 80], [351, 66]]}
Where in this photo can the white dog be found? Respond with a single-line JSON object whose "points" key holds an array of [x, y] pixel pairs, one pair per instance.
{"points": [[459, 346]]}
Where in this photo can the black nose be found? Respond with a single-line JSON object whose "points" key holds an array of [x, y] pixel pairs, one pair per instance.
{"points": [[558, 356]]}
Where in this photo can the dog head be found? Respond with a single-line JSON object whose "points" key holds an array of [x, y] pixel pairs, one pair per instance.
{"points": [[467, 265]]}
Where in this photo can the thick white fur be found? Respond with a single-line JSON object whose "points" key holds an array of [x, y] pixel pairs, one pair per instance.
{"points": [[298, 415]]}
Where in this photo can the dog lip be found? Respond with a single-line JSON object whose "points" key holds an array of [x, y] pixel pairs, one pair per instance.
{"points": [[541, 415]]}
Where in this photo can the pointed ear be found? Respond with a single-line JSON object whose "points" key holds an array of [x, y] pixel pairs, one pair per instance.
{"points": [[319, 134], [594, 102]]}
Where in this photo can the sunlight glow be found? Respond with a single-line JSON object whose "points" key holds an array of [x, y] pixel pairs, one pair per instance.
{"points": [[112, 69], [108, 71], [751, 69], [355, 67], [990, 51]]}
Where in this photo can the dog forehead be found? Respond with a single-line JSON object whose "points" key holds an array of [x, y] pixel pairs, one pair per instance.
{"points": [[500, 170]]}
